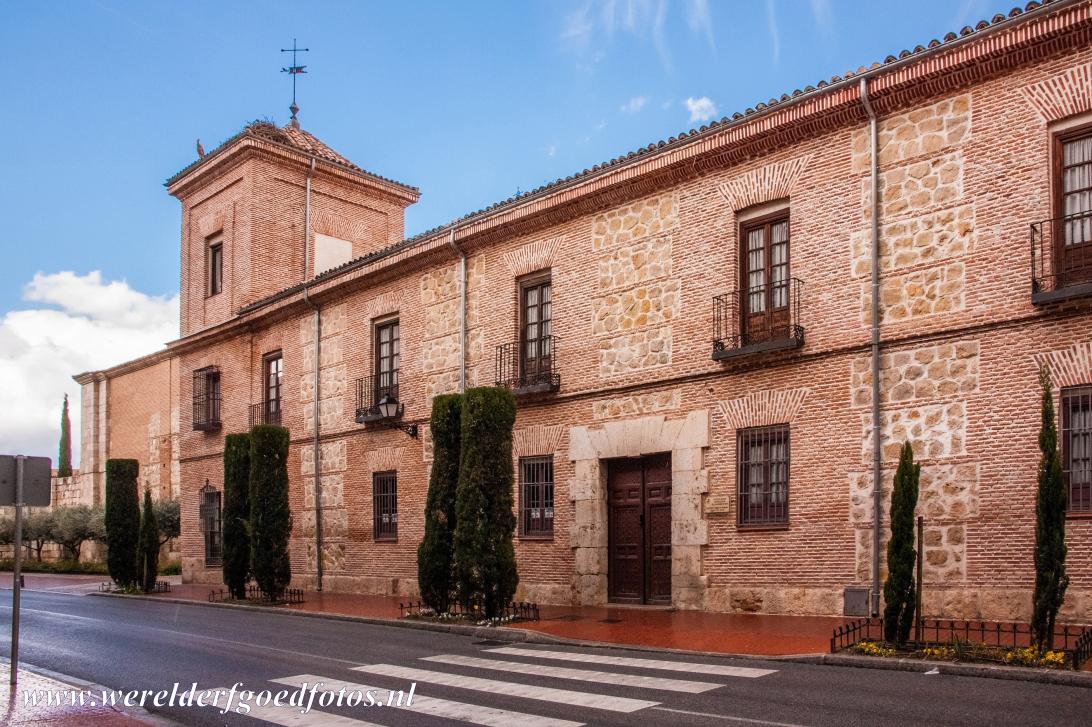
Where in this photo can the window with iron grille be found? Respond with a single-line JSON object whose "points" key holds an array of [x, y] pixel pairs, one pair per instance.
{"points": [[215, 261], [272, 374], [1077, 448], [210, 525], [387, 356], [385, 505], [763, 475], [536, 502], [206, 398]]}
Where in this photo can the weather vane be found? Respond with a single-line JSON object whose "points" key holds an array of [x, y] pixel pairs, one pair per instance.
{"points": [[294, 70]]}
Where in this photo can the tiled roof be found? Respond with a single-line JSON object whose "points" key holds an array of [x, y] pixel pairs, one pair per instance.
{"points": [[653, 148], [289, 136]]}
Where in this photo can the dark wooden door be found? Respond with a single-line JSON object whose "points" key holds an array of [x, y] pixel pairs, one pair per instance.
{"points": [[639, 503], [764, 293], [535, 340], [1075, 241]]}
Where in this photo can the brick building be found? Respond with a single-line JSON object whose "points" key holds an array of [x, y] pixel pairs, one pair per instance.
{"points": [[689, 331]]}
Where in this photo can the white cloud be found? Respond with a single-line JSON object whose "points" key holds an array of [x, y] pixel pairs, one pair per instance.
{"points": [[551, 150], [823, 15], [775, 33], [701, 23], [594, 25], [701, 109], [634, 105], [78, 323]]}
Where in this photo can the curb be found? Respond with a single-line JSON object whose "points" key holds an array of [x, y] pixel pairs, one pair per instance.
{"points": [[137, 713], [985, 671]]}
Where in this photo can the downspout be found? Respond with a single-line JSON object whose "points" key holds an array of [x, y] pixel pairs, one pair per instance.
{"points": [[877, 445], [462, 310], [318, 376]]}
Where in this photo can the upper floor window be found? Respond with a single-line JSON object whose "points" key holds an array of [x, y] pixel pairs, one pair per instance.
{"points": [[765, 278], [1077, 447], [386, 359], [536, 502], [385, 505], [1073, 187], [215, 263], [763, 475], [272, 375], [206, 399], [536, 343]]}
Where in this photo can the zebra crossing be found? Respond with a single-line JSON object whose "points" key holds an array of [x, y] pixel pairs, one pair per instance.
{"points": [[589, 674]]}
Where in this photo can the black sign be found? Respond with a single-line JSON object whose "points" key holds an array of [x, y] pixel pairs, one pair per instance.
{"points": [[37, 473]]}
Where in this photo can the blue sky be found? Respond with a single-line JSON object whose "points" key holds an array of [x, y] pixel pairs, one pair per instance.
{"points": [[103, 100]]}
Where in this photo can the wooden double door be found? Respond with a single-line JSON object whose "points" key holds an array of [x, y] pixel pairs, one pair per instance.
{"points": [[639, 532]]}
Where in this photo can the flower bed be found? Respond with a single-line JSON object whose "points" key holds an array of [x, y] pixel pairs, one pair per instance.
{"points": [[471, 615], [968, 652]]}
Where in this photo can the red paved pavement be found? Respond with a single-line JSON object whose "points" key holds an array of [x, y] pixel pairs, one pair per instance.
{"points": [[15, 709]]}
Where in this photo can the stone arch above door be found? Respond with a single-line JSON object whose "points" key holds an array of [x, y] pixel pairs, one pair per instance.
{"points": [[686, 439]]}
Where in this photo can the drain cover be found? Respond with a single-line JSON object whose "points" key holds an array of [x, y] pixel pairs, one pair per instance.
{"points": [[490, 643]]}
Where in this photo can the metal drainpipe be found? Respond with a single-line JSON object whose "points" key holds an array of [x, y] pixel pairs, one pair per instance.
{"points": [[318, 376], [877, 445], [462, 310]]}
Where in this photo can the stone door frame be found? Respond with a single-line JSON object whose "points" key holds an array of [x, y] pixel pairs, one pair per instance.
{"points": [[685, 439]]}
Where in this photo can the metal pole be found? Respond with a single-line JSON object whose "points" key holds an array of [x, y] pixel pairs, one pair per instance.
{"points": [[16, 575], [917, 594]]}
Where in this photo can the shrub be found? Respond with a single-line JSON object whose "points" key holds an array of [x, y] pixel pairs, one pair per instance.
{"points": [[72, 526], [485, 560], [149, 545], [169, 519], [37, 530], [171, 568], [56, 566], [270, 518], [7, 530], [236, 514], [122, 521], [1051, 580], [435, 577], [899, 590]]}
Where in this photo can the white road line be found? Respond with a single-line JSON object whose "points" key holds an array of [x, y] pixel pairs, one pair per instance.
{"points": [[684, 666], [436, 707], [511, 689], [581, 675], [287, 716], [731, 718]]}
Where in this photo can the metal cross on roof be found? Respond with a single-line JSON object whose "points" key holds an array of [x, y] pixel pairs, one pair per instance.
{"points": [[294, 70]]}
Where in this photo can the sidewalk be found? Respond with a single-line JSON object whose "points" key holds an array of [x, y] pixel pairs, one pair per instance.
{"points": [[14, 711]]}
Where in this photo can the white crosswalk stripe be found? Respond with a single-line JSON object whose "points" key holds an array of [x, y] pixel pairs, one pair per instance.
{"points": [[583, 675], [689, 667], [445, 708], [511, 689], [291, 717]]}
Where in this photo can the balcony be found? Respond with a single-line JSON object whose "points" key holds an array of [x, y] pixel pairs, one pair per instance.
{"points": [[759, 319], [206, 413], [266, 412], [1061, 258], [377, 398], [527, 368]]}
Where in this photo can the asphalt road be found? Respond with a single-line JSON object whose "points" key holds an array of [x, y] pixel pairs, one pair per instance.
{"points": [[142, 645]]}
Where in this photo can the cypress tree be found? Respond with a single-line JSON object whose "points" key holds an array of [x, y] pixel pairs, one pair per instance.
{"points": [[122, 521], [270, 518], [236, 514], [1051, 580], [899, 590], [434, 555], [64, 460], [485, 559], [149, 544]]}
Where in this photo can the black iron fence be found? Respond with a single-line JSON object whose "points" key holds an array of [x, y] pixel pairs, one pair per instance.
{"points": [[375, 394], [514, 611], [528, 367], [265, 412], [253, 593], [1061, 257], [760, 318], [1075, 641]]}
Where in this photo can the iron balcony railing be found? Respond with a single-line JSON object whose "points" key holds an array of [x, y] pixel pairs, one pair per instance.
{"points": [[374, 395], [528, 367], [265, 412], [206, 412], [760, 318], [1061, 258]]}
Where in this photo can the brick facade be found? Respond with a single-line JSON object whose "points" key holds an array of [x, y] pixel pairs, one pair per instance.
{"points": [[635, 252]]}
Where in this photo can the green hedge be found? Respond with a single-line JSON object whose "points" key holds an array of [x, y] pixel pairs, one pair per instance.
{"points": [[270, 518], [434, 556], [122, 521], [485, 559], [236, 514], [55, 566]]}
